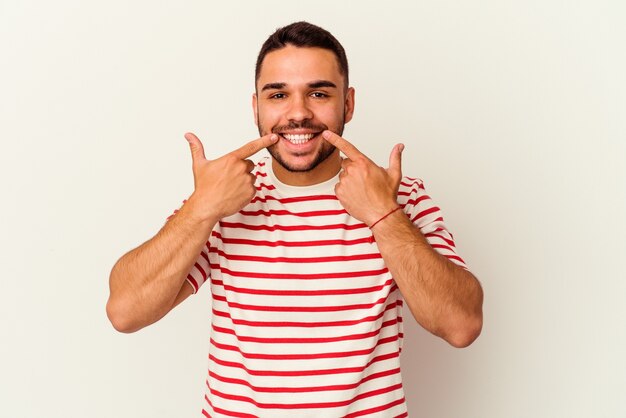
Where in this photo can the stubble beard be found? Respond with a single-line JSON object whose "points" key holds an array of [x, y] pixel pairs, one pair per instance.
{"points": [[325, 151]]}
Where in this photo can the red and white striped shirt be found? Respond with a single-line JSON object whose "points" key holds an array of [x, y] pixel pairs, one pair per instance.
{"points": [[307, 320]]}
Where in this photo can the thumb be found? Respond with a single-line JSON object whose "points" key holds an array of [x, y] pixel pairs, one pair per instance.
{"points": [[395, 161], [197, 150]]}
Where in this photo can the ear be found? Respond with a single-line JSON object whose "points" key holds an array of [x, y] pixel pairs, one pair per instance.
{"points": [[349, 105], [255, 109]]}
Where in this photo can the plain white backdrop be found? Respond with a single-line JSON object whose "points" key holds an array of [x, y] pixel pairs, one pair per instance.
{"points": [[513, 113]]}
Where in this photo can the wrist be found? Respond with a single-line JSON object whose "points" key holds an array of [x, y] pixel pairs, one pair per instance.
{"points": [[199, 211], [385, 215]]}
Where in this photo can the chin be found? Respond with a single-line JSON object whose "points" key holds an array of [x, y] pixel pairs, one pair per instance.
{"points": [[301, 164]]}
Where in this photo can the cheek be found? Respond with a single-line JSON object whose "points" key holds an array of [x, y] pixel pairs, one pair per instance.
{"points": [[324, 113], [334, 121], [267, 118]]}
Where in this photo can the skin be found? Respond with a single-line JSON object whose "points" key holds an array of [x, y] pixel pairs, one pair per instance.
{"points": [[299, 91], [149, 281], [443, 297]]}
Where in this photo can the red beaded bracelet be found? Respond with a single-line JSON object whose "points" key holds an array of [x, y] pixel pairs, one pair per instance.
{"points": [[392, 211]]}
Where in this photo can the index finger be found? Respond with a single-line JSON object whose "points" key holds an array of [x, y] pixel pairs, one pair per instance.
{"points": [[254, 146], [344, 146]]}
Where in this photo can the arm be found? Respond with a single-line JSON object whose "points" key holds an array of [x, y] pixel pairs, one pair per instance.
{"points": [[444, 298], [149, 281]]}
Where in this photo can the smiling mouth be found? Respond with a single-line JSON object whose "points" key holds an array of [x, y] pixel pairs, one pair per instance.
{"points": [[298, 139]]}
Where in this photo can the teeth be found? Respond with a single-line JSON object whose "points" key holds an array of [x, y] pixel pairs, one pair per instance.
{"points": [[298, 139]]}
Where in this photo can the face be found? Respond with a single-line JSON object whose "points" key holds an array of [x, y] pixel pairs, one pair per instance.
{"points": [[300, 93]]}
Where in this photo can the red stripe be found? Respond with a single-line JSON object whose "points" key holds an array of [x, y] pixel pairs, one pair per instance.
{"points": [[239, 225], [272, 324], [265, 308], [310, 356], [262, 186], [201, 270], [425, 212], [323, 292], [330, 388], [293, 276], [272, 212], [377, 408], [295, 259], [449, 241], [414, 183], [227, 412], [193, 282], [409, 192], [291, 373], [417, 201], [280, 243], [316, 340], [316, 405], [441, 246], [264, 199], [455, 257]]}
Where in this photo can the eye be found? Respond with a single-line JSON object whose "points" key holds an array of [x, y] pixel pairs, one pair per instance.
{"points": [[319, 95], [278, 96]]}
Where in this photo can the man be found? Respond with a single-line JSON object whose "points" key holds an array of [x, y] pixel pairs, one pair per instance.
{"points": [[308, 254]]}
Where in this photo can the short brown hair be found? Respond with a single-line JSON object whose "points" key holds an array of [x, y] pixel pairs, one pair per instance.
{"points": [[303, 35]]}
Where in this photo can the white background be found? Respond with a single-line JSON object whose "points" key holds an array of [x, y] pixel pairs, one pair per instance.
{"points": [[513, 113]]}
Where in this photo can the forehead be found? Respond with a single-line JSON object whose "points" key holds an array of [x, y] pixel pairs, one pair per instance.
{"points": [[293, 65]]}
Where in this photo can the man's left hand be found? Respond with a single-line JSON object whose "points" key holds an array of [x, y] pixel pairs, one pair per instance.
{"points": [[366, 190]]}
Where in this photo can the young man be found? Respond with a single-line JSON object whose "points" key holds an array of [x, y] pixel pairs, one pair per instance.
{"points": [[309, 255]]}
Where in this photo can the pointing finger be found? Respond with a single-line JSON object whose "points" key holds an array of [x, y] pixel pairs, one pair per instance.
{"points": [[197, 150], [395, 161], [252, 147], [344, 146]]}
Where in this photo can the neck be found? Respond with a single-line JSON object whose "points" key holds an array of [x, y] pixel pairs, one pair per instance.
{"points": [[325, 170]]}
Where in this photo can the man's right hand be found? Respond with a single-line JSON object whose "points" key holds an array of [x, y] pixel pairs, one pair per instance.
{"points": [[225, 185]]}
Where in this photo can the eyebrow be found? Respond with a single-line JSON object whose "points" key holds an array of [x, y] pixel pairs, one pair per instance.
{"points": [[313, 85], [274, 86], [321, 83]]}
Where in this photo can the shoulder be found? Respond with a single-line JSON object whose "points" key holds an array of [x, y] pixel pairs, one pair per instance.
{"points": [[414, 200], [410, 185]]}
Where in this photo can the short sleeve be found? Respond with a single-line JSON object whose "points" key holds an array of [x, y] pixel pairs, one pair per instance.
{"points": [[427, 216], [201, 270]]}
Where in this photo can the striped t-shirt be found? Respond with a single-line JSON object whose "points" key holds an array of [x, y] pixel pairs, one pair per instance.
{"points": [[306, 319]]}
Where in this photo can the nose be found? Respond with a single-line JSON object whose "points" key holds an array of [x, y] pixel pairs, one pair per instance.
{"points": [[299, 109]]}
